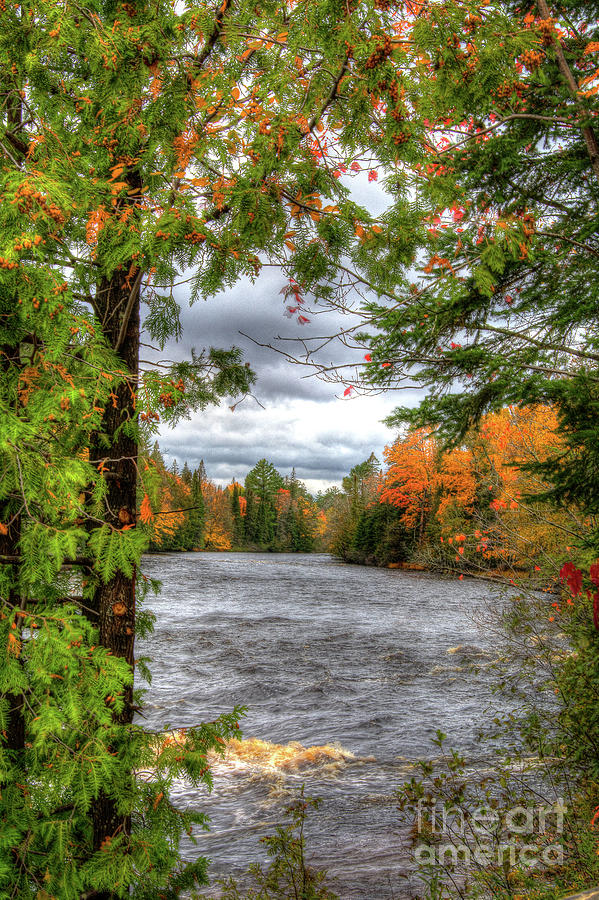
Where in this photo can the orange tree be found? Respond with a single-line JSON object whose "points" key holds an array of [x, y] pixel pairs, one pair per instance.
{"points": [[410, 481], [139, 141], [473, 504]]}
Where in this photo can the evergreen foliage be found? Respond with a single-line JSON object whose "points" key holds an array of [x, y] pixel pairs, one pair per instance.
{"points": [[137, 141], [262, 483]]}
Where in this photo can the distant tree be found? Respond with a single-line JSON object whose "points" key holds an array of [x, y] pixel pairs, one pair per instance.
{"points": [[410, 480], [361, 483], [344, 509], [306, 524], [262, 484], [238, 529], [197, 513], [296, 517], [286, 518], [250, 516], [218, 529]]}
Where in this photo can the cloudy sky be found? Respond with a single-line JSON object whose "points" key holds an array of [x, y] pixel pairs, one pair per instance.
{"points": [[295, 419]]}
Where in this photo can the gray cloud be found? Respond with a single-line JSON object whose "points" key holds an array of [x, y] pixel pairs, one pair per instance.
{"points": [[322, 440], [250, 315]]}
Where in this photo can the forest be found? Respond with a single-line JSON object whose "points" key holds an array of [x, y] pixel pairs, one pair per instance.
{"points": [[186, 511], [427, 172], [474, 509]]}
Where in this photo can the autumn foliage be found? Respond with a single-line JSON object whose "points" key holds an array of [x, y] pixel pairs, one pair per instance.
{"points": [[471, 508], [185, 510]]}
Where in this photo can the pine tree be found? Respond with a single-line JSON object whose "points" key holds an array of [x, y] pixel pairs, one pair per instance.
{"points": [[250, 517], [197, 514], [263, 482], [238, 531]]}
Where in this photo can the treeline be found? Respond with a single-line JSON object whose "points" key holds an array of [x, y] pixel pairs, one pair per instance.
{"points": [[476, 507], [468, 509], [184, 510]]}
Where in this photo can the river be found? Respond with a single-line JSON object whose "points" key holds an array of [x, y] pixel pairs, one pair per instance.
{"points": [[347, 673]]}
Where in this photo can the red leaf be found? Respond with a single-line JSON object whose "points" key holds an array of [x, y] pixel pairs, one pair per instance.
{"points": [[368, 357], [348, 391], [596, 609], [572, 576], [594, 573]]}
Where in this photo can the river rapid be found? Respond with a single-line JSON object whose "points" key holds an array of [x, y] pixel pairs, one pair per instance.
{"points": [[347, 673]]}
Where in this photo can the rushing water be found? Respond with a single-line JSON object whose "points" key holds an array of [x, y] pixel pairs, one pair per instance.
{"points": [[347, 673]]}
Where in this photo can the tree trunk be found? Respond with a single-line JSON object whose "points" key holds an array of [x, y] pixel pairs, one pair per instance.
{"points": [[115, 452]]}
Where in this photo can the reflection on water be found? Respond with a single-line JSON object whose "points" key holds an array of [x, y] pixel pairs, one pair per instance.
{"points": [[347, 673]]}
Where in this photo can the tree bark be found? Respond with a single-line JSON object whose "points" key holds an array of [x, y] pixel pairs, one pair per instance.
{"points": [[115, 452]]}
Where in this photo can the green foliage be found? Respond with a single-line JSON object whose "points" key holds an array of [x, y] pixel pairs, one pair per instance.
{"points": [[238, 529], [116, 551], [379, 537], [261, 484]]}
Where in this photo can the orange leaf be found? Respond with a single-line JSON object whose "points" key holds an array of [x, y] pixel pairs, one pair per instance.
{"points": [[145, 512], [14, 645]]}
